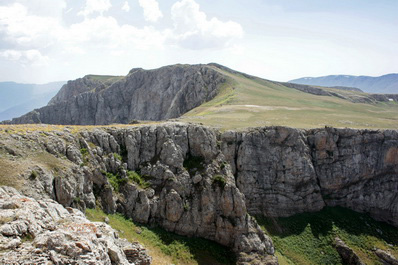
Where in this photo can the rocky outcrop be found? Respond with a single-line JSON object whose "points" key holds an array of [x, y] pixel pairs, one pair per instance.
{"points": [[348, 256], [164, 93], [195, 181], [386, 257], [43, 232]]}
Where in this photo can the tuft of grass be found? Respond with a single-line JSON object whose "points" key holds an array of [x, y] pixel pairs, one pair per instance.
{"points": [[308, 238], [166, 247], [117, 156], [138, 179], [219, 181], [34, 175], [115, 180]]}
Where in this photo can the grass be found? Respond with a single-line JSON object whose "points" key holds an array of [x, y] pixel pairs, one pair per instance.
{"points": [[138, 179], [166, 247], [308, 238], [244, 102], [219, 181]]}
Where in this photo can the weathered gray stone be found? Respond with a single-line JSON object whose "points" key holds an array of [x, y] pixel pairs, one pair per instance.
{"points": [[41, 232]]}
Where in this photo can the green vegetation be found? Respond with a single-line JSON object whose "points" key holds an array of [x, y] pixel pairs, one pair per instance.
{"points": [[308, 238], [117, 156], [194, 163], [115, 180], [106, 79], [166, 247], [34, 175], [244, 102], [220, 181], [138, 179], [85, 154]]}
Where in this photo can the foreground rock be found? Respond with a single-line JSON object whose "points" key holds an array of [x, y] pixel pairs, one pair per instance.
{"points": [[44, 232], [348, 256], [386, 257]]}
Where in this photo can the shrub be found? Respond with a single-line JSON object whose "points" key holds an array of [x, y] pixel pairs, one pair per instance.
{"points": [[117, 156], [219, 180], [34, 175], [138, 179]]}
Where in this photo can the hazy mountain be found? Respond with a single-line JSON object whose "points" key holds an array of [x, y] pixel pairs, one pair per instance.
{"points": [[386, 84], [17, 99]]}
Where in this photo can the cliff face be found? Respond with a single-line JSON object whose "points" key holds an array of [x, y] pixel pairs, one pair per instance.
{"points": [[164, 93], [283, 171], [196, 181]]}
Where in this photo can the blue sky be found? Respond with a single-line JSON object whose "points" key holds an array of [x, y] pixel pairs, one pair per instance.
{"points": [[51, 40]]}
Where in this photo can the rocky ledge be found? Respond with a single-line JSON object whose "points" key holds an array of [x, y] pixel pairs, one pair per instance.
{"points": [[44, 232]]}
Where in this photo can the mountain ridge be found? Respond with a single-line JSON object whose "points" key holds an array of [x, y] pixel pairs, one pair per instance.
{"points": [[387, 83]]}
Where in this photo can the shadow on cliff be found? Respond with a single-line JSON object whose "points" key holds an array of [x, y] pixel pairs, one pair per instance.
{"points": [[330, 222]]}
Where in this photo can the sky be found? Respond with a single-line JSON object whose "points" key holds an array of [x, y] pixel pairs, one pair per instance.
{"points": [[56, 40]]}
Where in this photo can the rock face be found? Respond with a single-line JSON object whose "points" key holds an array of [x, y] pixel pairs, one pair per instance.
{"points": [[44, 232], [284, 171], [164, 93], [196, 181]]}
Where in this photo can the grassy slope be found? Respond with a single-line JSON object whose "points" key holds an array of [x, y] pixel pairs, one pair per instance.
{"points": [[166, 247], [308, 238], [255, 102]]}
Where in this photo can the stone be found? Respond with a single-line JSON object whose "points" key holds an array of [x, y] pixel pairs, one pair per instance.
{"points": [[386, 257], [347, 254], [53, 234]]}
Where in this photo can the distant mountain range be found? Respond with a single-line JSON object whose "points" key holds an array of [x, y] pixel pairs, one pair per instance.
{"points": [[386, 84], [17, 99]]}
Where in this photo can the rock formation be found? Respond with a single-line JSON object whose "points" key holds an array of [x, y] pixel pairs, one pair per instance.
{"points": [[348, 256], [195, 181], [160, 94], [42, 232], [284, 171]]}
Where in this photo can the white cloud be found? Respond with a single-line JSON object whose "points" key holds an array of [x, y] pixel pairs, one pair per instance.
{"points": [[106, 32], [25, 57], [21, 28], [126, 6], [151, 8], [194, 30], [95, 6]]}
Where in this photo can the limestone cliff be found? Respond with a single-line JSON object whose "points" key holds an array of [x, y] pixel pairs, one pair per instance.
{"points": [[196, 181], [159, 94]]}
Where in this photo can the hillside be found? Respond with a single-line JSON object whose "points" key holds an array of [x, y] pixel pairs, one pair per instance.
{"points": [[17, 99], [387, 84], [247, 101], [213, 95]]}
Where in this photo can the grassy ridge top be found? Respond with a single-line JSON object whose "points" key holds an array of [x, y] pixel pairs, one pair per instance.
{"points": [[246, 101]]}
